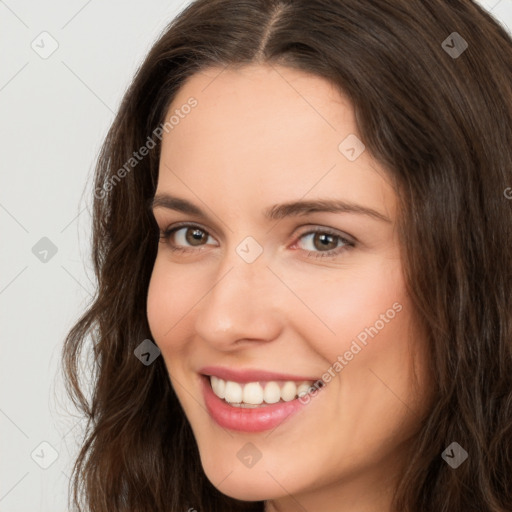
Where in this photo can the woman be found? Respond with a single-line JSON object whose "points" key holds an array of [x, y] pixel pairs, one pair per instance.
{"points": [[302, 242]]}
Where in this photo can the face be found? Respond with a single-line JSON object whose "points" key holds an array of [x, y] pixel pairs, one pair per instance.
{"points": [[311, 291]]}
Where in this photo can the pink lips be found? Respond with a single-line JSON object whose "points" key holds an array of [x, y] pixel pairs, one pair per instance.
{"points": [[247, 419], [255, 419], [249, 375]]}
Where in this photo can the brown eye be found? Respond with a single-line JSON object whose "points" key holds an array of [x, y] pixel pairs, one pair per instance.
{"points": [[185, 237], [324, 241], [195, 236]]}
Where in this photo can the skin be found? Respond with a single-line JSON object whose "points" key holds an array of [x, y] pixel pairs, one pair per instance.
{"points": [[262, 135]]}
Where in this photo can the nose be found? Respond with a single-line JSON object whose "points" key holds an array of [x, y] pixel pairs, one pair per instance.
{"points": [[244, 304]]}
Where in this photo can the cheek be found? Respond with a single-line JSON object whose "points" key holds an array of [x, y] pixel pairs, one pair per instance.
{"points": [[375, 345], [353, 304], [170, 297], [157, 302]]}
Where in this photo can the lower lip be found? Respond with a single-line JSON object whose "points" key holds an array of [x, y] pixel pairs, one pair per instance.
{"points": [[243, 419]]}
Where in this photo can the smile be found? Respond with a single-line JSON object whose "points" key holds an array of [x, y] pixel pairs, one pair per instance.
{"points": [[254, 394], [252, 406]]}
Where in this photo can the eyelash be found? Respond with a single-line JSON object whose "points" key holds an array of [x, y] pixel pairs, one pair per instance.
{"points": [[165, 236]]}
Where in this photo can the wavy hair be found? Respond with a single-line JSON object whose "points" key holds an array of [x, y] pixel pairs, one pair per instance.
{"points": [[440, 123]]}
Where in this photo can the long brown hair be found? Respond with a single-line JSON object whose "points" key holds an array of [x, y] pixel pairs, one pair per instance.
{"points": [[440, 123]]}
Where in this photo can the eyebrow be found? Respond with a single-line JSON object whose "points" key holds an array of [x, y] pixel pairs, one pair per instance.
{"points": [[277, 211]]}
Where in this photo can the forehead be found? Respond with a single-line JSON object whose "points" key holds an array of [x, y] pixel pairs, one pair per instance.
{"points": [[266, 101], [265, 130]]}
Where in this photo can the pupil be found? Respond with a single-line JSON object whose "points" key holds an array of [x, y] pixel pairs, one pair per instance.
{"points": [[196, 236], [325, 239]]}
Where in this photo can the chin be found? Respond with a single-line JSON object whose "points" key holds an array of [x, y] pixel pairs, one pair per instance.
{"points": [[241, 483]]}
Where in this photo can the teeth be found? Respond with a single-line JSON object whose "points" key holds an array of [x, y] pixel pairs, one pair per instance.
{"points": [[253, 394], [233, 392], [271, 393], [289, 391], [303, 389], [218, 386]]}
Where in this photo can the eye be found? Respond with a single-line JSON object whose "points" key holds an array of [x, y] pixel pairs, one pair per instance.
{"points": [[322, 242], [185, 234]]}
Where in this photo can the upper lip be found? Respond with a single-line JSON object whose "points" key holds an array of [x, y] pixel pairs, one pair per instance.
{"points": [[250, 375]]}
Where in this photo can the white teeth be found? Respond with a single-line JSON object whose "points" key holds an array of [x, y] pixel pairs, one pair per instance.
{"points": [[272, 393], [218, 386], [253, 394], [289, 391], [303, 389], [233, 392]]}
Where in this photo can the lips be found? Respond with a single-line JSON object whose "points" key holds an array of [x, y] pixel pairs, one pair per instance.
{"points": [[252, 375], [247, 420], [257, 418]]}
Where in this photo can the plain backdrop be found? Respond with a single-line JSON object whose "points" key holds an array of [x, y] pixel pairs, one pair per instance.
{"points": [[65, 66]]}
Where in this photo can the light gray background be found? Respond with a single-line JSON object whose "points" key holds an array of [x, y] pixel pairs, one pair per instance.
{"points": [[54, 113]]}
